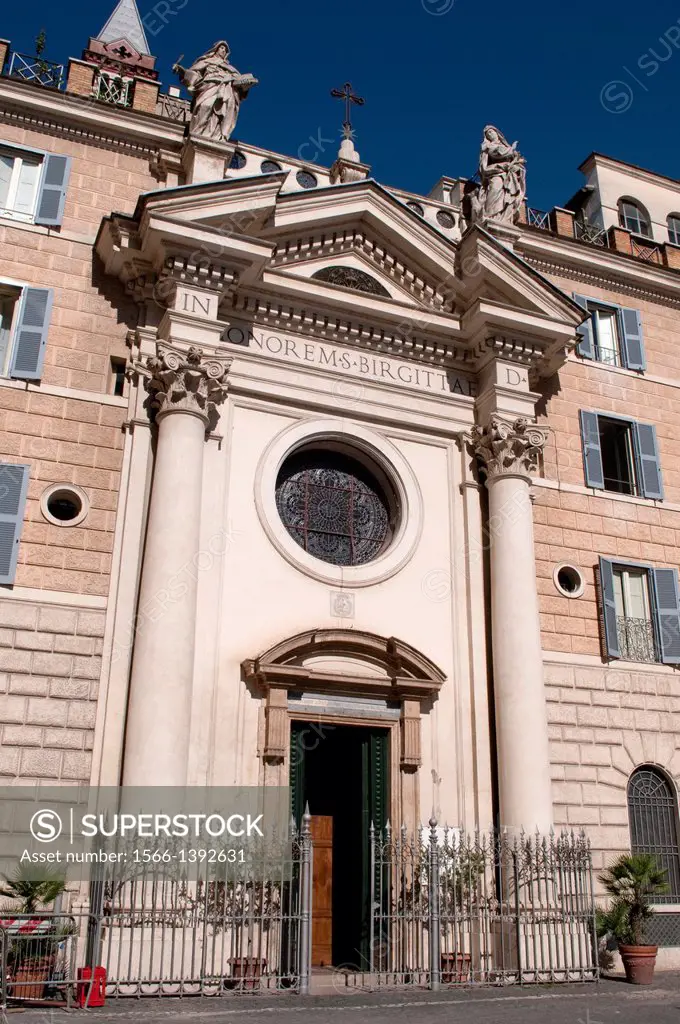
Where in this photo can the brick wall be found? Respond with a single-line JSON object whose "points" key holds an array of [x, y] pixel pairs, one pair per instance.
{"points": [[50, 661]]}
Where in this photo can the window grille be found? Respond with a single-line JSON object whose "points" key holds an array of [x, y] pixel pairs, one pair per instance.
{"points": [[653, 817]]}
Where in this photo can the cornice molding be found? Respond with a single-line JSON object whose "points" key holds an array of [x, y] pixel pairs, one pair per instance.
{"points": [[300, 319], [601, 279], [89, 118], [585, 262]]}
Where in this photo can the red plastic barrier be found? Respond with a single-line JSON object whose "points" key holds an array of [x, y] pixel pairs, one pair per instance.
{"points": [[91, 990]]}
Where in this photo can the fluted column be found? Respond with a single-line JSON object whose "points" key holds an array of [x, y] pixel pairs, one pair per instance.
{"points": [[509, 453], [184, 390]]}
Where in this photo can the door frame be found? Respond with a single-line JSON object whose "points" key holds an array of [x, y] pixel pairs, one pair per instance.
{"points": [[393, 729]]}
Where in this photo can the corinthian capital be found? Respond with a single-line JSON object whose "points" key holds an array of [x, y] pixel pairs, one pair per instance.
{"points": [[509, 448], [185, 382]]}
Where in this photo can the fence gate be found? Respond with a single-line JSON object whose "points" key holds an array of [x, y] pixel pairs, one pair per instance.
{"points": [[452, 908]]}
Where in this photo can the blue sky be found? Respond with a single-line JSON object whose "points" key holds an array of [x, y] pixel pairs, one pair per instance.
{"points": [[561, 78]]}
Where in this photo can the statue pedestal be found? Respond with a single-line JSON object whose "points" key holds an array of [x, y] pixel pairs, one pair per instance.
{"points": [[508, 234], [205, 160], [344, 171]]}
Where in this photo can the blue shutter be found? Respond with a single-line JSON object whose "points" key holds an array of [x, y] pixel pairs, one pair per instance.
{"points": [[667, 608], [632, 348], [592, 455], [648, 464], [611, 633], [13, 486], [53, 184], [586, 346], [30, 333]]}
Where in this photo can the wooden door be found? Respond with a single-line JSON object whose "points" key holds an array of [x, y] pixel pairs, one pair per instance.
{"points": [[322, 891]]}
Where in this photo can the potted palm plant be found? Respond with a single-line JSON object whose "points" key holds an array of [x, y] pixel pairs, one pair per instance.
{"points": [[631, 882], [32, 955]]}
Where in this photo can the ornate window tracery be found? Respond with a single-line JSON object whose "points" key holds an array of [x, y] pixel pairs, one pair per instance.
{"points": [[333, 507], [351, 277]]}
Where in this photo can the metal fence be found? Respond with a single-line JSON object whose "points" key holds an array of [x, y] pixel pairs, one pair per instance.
{"points": [[230, 927], [38, 955], [451, 908], [446, 908]]}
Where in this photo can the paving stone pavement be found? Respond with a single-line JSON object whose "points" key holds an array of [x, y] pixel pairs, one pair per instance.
{"points": [[609, 1002]]}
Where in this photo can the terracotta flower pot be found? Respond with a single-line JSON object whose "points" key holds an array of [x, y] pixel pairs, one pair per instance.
{"points": [[246, 971], [639, 963], [455, 967]]}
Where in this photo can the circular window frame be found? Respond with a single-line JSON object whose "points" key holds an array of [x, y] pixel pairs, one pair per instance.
{"points": [[68, 490], [303, 175], [367, 447], [571, 594]]}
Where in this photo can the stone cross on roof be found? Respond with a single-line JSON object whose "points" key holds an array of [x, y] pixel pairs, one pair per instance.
{"points": [[125, 23]]}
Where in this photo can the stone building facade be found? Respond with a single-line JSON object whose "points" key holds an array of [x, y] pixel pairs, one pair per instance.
{"points": [[211, 352]]}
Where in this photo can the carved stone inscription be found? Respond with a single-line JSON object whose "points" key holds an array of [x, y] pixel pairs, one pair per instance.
{"points": [[347, 361]]}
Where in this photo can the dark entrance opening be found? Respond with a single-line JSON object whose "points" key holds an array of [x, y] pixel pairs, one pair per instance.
{"points": [[342, 773]]}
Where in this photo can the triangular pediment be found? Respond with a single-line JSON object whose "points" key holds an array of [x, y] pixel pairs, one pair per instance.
{"points": [[363, 225], [357, 252]]}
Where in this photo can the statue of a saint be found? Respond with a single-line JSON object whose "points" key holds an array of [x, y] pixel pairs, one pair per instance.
{"points": [[217, 89], [503, 180]]}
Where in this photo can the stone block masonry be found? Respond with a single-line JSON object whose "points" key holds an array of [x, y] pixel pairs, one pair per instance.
{"points": [[50, 663], [604, 722]]}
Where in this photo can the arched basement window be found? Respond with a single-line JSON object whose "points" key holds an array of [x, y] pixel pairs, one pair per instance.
{"points": [[653, 818]]}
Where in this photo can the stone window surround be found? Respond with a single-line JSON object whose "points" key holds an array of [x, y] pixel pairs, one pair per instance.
{"points": [[580, 590], [393, 465], [66, 487]]}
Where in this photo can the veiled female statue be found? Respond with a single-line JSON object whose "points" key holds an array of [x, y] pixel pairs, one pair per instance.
{"points": [[503, 179], [217, 89]]}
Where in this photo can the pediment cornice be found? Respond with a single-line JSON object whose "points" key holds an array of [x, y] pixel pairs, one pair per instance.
{"points": [[242, 239]]}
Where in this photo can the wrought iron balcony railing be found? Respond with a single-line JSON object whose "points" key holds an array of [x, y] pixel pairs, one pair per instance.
{"points": [[637, 641], [590, 233], [174, 108], [646, 250], [114, 89], [538, 219], [36, 70]]}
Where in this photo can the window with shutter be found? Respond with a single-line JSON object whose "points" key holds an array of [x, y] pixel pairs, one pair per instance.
{"points": [[609, 610], [20, 172], [640, 612], [586, 346], [13, 487], [50, 208], [30, 333], [611, 334], [649, 466], [621, 455], [667, 608], [592, 452], [631, 339]]}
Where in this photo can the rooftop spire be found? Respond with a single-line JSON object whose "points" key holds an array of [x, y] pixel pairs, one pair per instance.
{"points": [[125, 23]]}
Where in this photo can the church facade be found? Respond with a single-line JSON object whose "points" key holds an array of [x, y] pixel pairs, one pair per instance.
{"points": [[312, 482]]}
